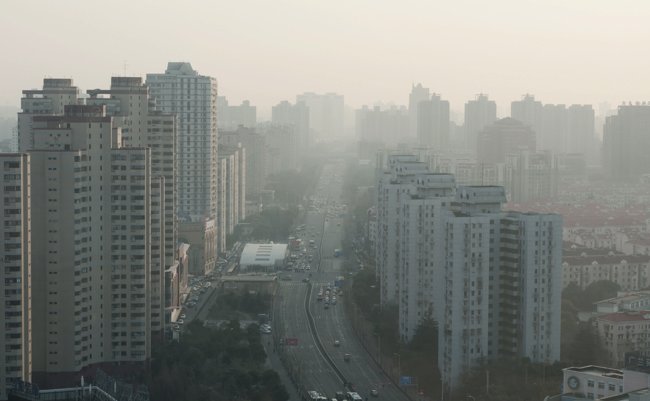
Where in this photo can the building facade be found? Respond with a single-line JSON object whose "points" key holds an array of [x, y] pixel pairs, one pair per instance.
{"points": [[479, 113], [491, 280], [15, 335]]}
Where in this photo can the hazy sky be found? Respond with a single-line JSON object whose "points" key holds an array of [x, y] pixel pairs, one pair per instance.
{"points": [[563, 51]]}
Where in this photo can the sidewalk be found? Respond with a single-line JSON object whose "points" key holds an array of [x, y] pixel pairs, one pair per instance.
{"points": [[273, 362]]}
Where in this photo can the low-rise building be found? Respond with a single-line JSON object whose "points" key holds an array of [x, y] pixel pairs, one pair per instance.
{"points": [[630, 272], [623, 332], [263, 257]]}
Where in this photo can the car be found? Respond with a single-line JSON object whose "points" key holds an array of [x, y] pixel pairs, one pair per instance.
{"points": [[183, 316], [340, 396], [374, 393], [180, 321], [346, 357], [337, 343], [305, 280], [176, 327]]}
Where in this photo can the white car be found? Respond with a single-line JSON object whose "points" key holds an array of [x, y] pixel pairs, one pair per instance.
{"points": [[180, 321]]}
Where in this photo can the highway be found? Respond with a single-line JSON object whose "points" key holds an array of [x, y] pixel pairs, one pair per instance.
{"points": [[312, 367]]}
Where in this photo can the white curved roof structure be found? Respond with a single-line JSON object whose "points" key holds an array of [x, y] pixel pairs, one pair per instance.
{"points": [[263, 255]]}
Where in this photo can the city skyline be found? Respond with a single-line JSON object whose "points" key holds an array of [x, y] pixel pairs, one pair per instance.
{"points": [[504, 49]]}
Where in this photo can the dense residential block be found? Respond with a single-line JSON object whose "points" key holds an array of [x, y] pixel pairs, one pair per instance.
{"points": [[491, 280]]}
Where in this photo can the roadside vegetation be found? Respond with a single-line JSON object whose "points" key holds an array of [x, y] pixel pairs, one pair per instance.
{"points": [[230, 305], [214, 365]]}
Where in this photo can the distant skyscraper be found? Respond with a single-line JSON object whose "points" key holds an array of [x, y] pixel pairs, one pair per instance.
{"points": [[581, 137], [296, 116], [555, 126], [506, 136], [529, 111], [282, 147], [254, 145], [433, 123], [230, 117], [418, 94], [326, 114], [626, 142], [479, 113], [388, 127]]}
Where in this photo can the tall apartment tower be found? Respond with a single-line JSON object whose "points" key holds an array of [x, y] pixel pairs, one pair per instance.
{"points": [[395, 185], [230, 117], [582, 131], [529, 111], [465, 326], [193, 98], [254, 145], [479, 113], [433, 123], [418, 94], [502, 138], [555, 128], [421, 263], [297, 116], [91, 203], [326, 114], [129, 103], [449, 253], [15, 333], [530, 286], [55, 95], [625, 139]]}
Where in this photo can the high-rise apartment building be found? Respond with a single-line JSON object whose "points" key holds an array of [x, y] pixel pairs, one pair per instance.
{"points": [[282, 147], [129, 103], [433, 123], [326, 114], [626, 139], [418, 94], [479, 113], [531, 176], [230, 117], [386, 127], [15, 333], [582, 132], [297, 116], [91, 202], [506, 136], [530, 286], [529, 111], [449, 253], [193, 99], [254, 145]]}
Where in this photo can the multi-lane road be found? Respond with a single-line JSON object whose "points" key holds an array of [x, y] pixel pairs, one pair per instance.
{"points": [[316, 361]]}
